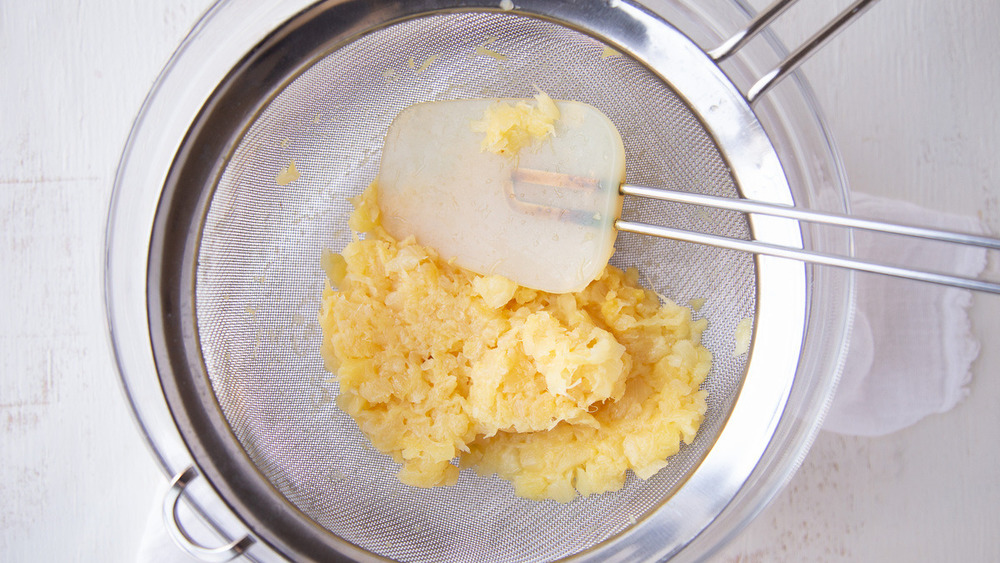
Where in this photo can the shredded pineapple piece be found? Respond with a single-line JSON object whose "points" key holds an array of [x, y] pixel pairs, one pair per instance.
{"points": [[288, 174], [608, 52], [742, 336], [511, 127], [559, 394], [334, 265], [497, 291]]}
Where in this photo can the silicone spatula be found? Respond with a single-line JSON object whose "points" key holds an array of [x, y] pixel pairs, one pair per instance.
{"points": [[543, 217]]}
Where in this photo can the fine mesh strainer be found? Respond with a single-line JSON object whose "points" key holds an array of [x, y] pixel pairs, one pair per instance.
{"points": [[230, 282]]}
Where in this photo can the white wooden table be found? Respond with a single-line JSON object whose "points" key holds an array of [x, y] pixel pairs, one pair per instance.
{"points": [[910, 93]]}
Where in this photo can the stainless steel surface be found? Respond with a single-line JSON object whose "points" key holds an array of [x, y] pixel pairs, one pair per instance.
{"points": [[209, 51], [254, 248], [171, 520], [232, 271], [840, 220], [807, 49], [750, 30], [810, 257], [761, 22], [797, 57], [269, 393]]}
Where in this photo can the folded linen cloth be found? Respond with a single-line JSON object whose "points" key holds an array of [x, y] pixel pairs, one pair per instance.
{"points": [[912, 345]]}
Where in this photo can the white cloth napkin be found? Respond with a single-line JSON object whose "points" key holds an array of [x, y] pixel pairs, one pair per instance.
{"points": [[909, 355], [912, 345]]}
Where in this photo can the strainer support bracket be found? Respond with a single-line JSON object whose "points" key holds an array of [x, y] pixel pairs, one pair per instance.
{"points": [[799, 55], [176, 531]]}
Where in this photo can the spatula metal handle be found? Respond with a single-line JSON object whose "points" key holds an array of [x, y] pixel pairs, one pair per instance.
{"points": [[835, 219]]}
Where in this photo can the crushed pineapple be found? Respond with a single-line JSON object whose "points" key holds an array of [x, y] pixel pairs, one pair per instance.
{"points": [[510, 127], [560, 394]]}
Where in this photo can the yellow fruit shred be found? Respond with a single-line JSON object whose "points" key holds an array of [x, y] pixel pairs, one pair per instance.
{"points": [[560, 394], [509, 127]]}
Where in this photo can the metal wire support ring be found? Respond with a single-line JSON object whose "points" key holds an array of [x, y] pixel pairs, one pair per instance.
{"points": [[171, 520]]}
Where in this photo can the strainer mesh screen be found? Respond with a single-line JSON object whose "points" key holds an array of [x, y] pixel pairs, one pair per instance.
{"points": [[259, 281]]}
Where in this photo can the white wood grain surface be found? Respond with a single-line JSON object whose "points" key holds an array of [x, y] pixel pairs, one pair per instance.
{"points": [[910, 94]]}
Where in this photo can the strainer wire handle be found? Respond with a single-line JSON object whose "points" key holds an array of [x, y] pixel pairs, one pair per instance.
{"points": [[798, 56], [171, 520], [806, 255], [750, 30]]}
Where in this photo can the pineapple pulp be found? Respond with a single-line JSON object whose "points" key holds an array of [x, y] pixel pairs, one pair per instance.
{"points": [[561, 394], [508, 127]]}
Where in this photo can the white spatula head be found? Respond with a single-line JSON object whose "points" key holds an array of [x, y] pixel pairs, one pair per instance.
{"points": [[543, 217]]}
